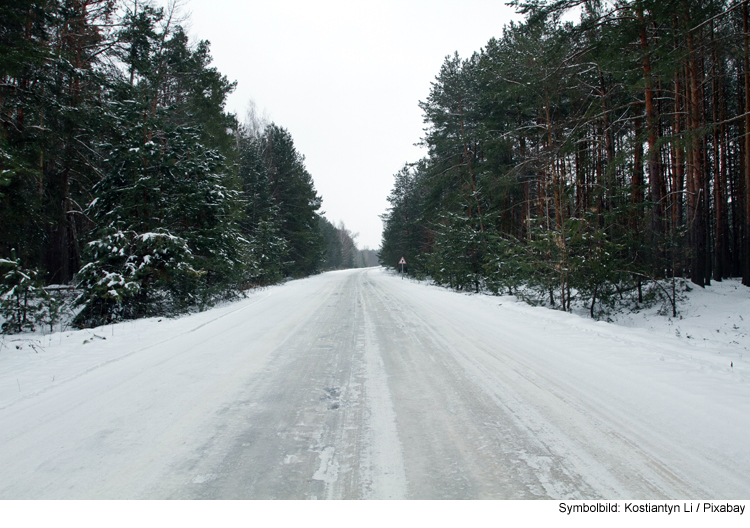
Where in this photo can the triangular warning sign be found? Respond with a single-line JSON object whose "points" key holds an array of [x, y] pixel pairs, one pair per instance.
{"points": [[402, 261]]}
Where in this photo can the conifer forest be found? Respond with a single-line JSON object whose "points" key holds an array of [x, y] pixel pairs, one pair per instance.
{"points": [[596, 161], [126, 190]]}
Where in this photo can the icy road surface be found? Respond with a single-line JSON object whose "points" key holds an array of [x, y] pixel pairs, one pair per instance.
{"points": [[357, 384]]}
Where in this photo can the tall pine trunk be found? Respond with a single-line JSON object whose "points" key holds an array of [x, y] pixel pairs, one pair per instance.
{"points": [[746, 61], [654, 169], [697, 172]]}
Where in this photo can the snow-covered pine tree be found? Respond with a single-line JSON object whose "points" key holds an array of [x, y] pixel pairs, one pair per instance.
{"points": [[165, 210], [259, 222], [164, 239], [21, 297]]}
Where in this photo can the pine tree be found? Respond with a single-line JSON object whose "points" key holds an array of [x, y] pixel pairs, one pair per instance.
{"points": [[291, 188], [164, 241]]}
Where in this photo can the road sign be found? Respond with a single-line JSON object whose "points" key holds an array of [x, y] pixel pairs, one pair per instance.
{"points": [[402, 261]]}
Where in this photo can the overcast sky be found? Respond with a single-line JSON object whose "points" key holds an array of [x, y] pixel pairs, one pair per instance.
{"points": [[345, 78]]}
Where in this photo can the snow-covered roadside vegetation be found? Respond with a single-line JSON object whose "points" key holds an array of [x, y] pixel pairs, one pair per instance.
{"points": [[716, 318]]}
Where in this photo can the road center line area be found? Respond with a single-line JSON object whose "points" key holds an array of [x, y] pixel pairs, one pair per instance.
{"points": [[358, 385]]}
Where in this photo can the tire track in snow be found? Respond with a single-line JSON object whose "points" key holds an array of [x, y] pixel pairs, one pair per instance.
{"points": [[387, 479]]}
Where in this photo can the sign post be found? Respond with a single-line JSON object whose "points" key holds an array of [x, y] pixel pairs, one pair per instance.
{"points": [[402, 262]]}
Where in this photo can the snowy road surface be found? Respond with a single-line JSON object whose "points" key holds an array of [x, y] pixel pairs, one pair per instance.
{"points": [[357, 384]]}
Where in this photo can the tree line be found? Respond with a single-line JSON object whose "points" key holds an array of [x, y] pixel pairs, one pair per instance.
{"points": [[122, 176], [594, 160]]}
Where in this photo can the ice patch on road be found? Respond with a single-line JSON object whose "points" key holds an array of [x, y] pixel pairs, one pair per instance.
{"points": [[328, 471], [202, 479]]}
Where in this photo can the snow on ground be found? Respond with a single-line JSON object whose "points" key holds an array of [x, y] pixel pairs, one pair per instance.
{"points": [[33, 362], [711, 332], [716, 318], [712, 323], [645, 406], [675, 381]]}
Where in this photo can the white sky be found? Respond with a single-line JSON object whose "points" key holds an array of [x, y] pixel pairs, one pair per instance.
{"points": [[345, 78]]}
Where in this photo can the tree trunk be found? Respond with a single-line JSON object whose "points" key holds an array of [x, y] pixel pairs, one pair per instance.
{"points": [[654, 169], [737, 182], [636, 188], [719, 201], [698, 228], [746, 61], [678, 174]]}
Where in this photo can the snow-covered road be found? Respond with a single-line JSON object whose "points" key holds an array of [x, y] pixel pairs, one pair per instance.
{"points": [[357, 384]]}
